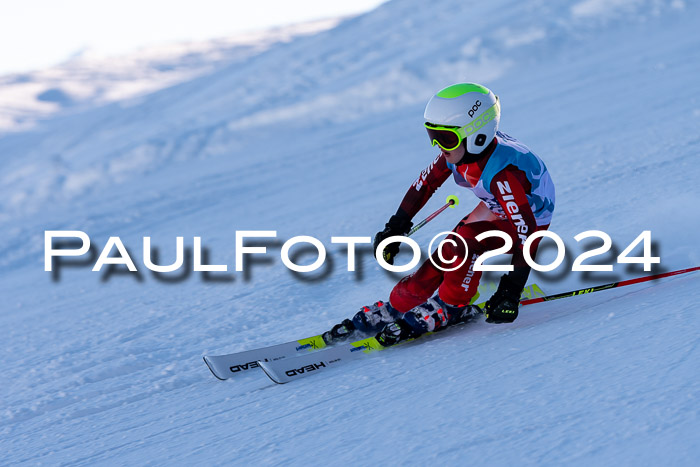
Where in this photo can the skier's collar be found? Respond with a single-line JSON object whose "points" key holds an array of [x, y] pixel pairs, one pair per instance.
{"points": [[470, 158]]}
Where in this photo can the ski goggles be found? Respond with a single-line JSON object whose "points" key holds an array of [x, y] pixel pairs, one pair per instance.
{"points": [[447, 137]]}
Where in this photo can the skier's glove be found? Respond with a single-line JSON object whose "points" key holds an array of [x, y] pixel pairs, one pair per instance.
{"points": [[503, 305], [397, 225]]}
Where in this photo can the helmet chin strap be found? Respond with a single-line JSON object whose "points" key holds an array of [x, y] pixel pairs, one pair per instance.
{"points": [[469, 158]]}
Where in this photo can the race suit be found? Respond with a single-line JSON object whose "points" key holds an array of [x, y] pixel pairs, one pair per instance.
{"points": [[517, 197]]}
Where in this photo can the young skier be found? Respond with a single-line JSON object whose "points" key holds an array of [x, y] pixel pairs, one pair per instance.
{"points": [[517, 197]]}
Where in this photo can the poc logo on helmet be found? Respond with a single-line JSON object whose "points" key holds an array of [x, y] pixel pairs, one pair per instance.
{"points": [[474, 108]]}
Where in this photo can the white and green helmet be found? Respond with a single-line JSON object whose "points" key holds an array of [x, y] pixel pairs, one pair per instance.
{"points": [[463, 111]]}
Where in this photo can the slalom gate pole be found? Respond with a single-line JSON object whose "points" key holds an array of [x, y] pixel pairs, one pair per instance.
{"points": [[612, 285], [452, 201]]}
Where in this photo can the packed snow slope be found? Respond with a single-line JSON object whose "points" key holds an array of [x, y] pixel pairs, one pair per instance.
{"points": [[322, 136]]}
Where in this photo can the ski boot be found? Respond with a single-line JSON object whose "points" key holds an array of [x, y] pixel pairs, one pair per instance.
{"points": [[431, 316], [366, 321]]}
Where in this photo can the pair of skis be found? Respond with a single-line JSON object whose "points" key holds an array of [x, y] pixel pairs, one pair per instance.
{"points": [[295, 359], [291, 360], [237, 364], [283, 363]]}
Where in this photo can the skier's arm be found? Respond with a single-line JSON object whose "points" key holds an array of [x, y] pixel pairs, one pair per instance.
{"points": [[510, 187], [427, 183], [418, 194]]}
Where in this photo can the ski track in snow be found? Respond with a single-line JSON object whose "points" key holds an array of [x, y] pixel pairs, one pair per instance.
{"points": [[110, 372]]}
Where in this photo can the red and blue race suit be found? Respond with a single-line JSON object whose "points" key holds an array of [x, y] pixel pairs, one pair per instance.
{"points": [[517, 197]]}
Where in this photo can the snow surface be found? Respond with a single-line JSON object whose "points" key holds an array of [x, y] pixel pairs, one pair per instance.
{"points": [[89, 79], [321, 136]]}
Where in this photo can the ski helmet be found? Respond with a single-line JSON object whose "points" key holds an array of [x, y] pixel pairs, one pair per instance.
{"points": [[463, 112]]}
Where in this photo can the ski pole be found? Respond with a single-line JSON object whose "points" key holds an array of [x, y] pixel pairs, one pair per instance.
{"points": [[612, 285], [452, 201]]}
